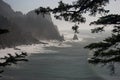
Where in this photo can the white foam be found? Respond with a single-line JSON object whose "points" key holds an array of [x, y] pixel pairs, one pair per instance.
{"points": [[30, 49], [34, 48], [4, 52], [59, 44]]}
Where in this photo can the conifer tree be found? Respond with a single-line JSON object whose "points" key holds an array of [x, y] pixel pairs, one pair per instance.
{"points": [[106, 51]]}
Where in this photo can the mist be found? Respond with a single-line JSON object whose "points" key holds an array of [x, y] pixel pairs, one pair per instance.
{"points": [[25, 28]]}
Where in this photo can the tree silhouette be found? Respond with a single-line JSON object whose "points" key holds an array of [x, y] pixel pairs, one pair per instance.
{"points": [[10, 59], [73, 12], [106, 51], [2, 31], [75, 28]]}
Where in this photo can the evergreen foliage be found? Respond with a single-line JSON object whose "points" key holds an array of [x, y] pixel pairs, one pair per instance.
{"points": [[73, 12], [2, 31], [109, 49], [10, 59], [106, 51]]}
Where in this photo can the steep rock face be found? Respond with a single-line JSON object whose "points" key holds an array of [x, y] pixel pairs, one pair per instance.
{"points": [[40, 27], [5, 9], [15, 36], [25, 29]]}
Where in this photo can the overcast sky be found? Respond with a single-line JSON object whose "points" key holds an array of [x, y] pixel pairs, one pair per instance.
{"points": [[27, 5]]}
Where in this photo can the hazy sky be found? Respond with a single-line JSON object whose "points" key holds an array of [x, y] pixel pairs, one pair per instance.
{"points": [[27, 5]]}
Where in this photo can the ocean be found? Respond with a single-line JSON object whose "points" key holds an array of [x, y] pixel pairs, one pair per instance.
{"points": [[65, 62]]}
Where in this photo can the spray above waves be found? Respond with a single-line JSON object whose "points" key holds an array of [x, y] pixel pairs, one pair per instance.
{"points": [[34, 48]]}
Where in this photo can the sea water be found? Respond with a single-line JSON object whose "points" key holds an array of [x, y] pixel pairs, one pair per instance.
{"points": [[67, 63], [57, 63]]}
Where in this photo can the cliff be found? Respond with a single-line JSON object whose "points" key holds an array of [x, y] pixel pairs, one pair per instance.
{"points": [[25, 29]]}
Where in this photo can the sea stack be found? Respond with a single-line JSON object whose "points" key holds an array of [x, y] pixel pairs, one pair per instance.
{"points": [[75, 37]]}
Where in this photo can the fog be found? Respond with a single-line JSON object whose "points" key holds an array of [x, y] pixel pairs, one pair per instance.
{"points": [[25, 29]]}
